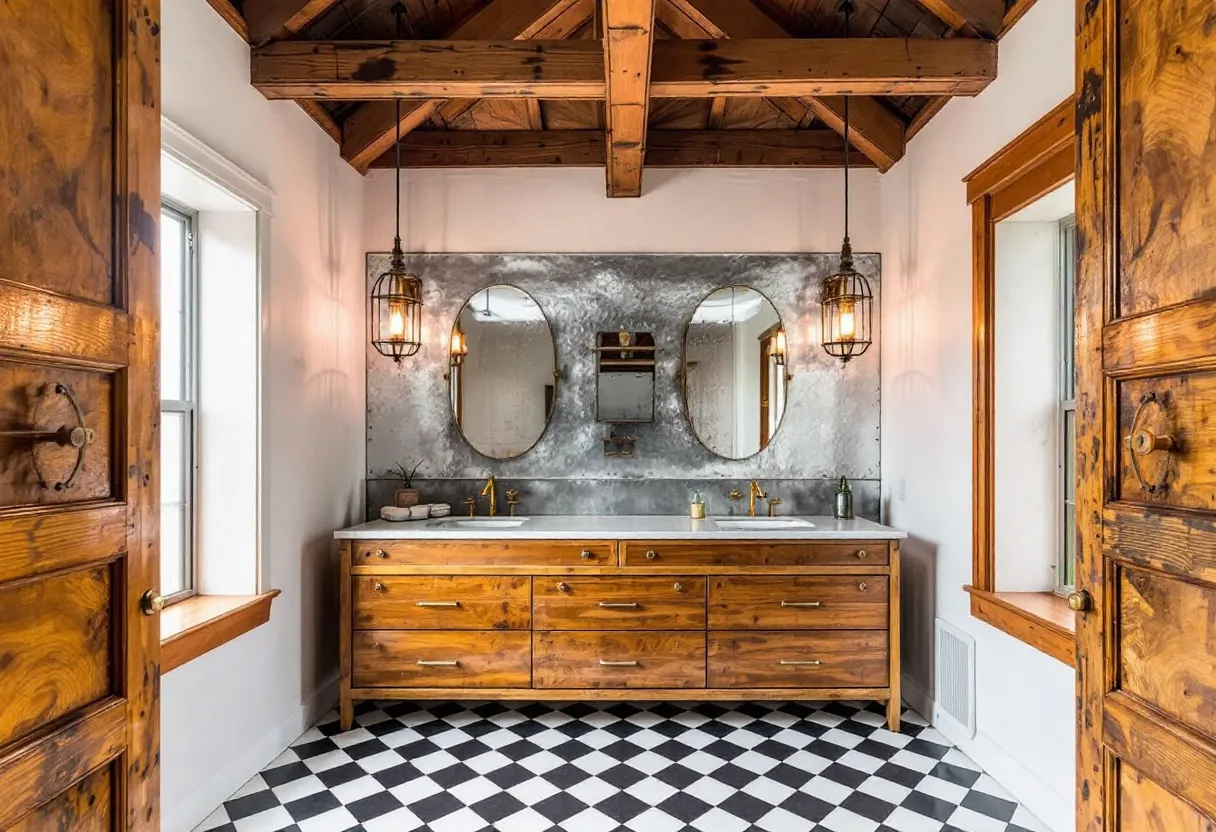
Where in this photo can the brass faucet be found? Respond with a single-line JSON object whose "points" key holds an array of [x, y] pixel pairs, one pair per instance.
{"points": [[491, 489], [754, 491]]}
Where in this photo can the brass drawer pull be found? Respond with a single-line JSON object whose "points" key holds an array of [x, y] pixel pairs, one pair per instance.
{"points": [[562, 586], [677, 586], [861, 554], [651, 554], [606, 663], [379, 587], [793, 663], [586, 554], [438, 604], [861, 587], [624, 605], [802, 603], [438, 663], [380, 553]]}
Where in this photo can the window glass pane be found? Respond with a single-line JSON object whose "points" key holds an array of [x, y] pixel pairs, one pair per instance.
{"points": [[175, 506], [172, 314], [1070, 455], [1068, 253], [1068, 573]]}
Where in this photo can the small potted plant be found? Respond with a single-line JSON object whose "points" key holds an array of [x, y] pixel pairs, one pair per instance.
{"points": [[406, 496]]}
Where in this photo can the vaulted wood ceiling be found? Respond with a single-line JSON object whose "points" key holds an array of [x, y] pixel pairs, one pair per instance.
{"points": [[621, 84]]}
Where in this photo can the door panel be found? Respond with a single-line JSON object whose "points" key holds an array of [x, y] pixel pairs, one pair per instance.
{"points": [[56, 215], [1167, 193], [79, 408], [1146, 416], [1167, 647], [55, 648]]}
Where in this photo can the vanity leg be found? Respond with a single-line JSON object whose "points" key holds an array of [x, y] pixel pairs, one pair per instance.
{"points": [[346, 706], [893, 704], [346, 709]]}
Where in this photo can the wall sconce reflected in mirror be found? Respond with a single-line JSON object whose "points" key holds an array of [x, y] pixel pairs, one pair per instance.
{"points": [[779, 348], [459, 347]]}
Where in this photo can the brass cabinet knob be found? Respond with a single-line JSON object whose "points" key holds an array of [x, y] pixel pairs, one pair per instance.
{"points": [[861, 554], [562, 586], [678, 587], [1080, 601], [651, 554], [379, 587], [586, 554], [861, 587], [150, 603]]}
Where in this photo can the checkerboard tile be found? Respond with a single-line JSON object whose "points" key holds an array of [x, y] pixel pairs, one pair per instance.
{"points": [[621, 767]]}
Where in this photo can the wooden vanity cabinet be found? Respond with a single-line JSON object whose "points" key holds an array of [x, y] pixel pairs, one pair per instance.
{"points": [[566, 620]]}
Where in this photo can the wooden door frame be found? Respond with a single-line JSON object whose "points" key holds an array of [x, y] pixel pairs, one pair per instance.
{"points": [[1034, 164]]}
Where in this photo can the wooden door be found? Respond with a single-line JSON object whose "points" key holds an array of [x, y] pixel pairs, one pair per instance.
{"points": [[1146, 415], [79, 406]]}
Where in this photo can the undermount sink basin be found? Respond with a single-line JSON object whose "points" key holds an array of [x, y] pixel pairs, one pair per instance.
{"points": [[752, 524], [482, 522]]}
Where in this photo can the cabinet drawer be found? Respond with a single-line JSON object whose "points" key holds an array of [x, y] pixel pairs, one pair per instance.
{"points": [[785, 659], [484, 553], [441, 659], [665, 554], [676, 603], [852, 602], [669, 659], [423, 602]]}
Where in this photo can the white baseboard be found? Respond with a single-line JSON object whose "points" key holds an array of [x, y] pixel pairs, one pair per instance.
{"points": [[208, 796], [1054, 809], [1044, 802]]}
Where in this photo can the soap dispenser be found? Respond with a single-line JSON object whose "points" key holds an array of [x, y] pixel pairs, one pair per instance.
{"points": [[844, 500]]}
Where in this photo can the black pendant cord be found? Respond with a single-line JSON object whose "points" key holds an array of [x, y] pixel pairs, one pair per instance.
{"points": [[847, 7], [399, 11]]}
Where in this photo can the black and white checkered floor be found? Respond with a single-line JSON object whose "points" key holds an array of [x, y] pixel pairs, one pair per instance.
{"points": [[607, 767]]}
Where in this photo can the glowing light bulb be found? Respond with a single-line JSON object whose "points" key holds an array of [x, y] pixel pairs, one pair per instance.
{"points": [[396, 321], [779, 347], [848, 321]]}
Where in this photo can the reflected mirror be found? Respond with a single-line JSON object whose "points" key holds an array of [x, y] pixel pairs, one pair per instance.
{"points": [[502, 372], [734, 372]]}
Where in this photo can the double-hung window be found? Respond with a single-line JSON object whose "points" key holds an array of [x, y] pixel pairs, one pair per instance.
{"points": [[1066, 568], [178, 402]]}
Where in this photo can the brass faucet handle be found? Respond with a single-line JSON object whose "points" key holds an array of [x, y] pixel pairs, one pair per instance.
{"points": [[773, 502], [735, 495], [471, 505], [512, 494], [512, 501]]}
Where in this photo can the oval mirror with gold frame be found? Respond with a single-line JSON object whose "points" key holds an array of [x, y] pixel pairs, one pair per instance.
{"points": [[502, 377], [734, 375]]}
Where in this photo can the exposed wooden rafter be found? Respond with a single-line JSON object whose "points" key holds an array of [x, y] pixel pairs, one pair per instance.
{"points": [[873, 129], [586, 148], [969, 18], [267, 19], [370, 130], [628, 42], [368, 70]]}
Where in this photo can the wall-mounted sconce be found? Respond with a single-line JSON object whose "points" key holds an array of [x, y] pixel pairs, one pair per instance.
{"points": [[779, 348], [459, 347]]}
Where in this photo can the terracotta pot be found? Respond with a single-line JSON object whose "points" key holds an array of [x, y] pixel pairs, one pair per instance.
{"points": [[406, 497]]}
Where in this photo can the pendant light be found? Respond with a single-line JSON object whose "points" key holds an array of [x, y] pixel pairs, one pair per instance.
{"points": [[396, 314], [846, 304]]}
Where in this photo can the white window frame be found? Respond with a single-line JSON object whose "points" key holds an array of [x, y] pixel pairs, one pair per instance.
{"points": [[1068, 402], [194, 154], [188, 404]]}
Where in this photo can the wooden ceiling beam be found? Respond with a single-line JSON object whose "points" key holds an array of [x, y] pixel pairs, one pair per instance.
{"points": [[628, 44], [370, 130], [368, 70], [267, 19], [969, 18], [873, 129], [587, 148]]}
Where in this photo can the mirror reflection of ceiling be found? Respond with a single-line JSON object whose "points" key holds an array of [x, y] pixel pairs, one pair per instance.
{"points": [[732, 303], [503, 304]]}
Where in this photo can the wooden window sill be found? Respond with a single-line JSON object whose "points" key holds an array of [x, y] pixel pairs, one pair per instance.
{"points": [[1041, 619], [198, 625]]}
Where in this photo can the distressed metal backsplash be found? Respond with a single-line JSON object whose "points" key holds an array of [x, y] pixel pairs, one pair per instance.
{"points": [[831, 424]]}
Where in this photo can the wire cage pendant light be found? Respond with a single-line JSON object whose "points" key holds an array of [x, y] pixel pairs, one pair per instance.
{"points": [[396, 302], [846, 303]]}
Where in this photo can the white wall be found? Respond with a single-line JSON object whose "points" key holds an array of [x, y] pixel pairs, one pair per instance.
{"points": [[227, 714], [565, 210], [1025, 699], [1026, 347]]}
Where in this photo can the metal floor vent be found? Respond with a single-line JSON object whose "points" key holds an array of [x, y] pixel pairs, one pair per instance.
{"points": [[954, 678]]}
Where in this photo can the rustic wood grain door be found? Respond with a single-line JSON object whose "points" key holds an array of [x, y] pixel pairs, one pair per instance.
{"points": [[79, 407], [1146, 415]]}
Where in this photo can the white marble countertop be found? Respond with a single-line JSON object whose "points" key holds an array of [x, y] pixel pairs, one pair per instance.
{"points": [[611, 527]]}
